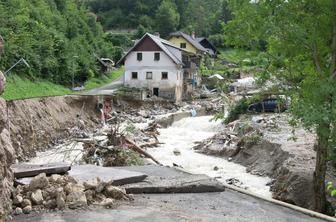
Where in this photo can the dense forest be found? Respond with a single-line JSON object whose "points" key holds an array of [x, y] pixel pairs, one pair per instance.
{"points": [[59, 38], [56, 37], [205, 17]]}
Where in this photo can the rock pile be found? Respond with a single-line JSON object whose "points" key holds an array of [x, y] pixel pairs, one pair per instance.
{"points": [[59, 192]]}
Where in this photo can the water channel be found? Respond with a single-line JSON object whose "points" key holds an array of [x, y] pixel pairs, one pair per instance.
{"points": [[181, 137]]}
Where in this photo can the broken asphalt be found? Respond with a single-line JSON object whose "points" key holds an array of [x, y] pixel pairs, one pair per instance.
{"points": [[163, 202]]}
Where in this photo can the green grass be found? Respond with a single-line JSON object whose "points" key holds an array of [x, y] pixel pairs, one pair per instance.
{"points": [[244, 58], [103, 80], [247, 61], [23, 88]]}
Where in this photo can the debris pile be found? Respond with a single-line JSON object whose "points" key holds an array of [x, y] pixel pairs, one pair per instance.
{"points": [[60, 192], [213, 105], [119, 149], [235, 136]]}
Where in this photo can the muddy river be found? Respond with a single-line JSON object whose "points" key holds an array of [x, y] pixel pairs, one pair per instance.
{"points": [[180, 138]]}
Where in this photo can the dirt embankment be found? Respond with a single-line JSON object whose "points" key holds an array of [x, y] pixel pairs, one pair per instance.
{"points": [[7, 156], [266, 145], [37, 123]]}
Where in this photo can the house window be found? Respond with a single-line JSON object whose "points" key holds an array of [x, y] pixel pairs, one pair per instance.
{"points": [[149, 75], [164, 75], [139, 56], [134, 75], [183, 45], [157, 56]]}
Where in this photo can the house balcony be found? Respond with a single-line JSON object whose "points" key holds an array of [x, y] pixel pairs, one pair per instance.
{"points": [[189, 65]]}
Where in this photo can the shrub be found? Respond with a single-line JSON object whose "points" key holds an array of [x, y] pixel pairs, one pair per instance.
{"points": [[238, 109]]}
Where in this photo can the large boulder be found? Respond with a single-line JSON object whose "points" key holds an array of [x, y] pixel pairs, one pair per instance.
{"points": [[2, 82]]}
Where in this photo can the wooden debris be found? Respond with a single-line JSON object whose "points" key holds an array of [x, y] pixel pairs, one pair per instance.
{"points": [[152, 144], [138, 149]]}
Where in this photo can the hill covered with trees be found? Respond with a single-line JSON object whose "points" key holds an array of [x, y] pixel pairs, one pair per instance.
{"points": [[202, 16], [58, 38]]}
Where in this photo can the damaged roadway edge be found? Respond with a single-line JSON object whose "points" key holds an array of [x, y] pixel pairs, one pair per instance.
{"points": [[284, 204]]}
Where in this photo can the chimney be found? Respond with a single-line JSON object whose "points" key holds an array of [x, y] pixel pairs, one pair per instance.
{"points": [[193, 35], [157, 34]]}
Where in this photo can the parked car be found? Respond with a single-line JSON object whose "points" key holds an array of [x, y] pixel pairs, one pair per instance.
{"points": [[268, 105]]}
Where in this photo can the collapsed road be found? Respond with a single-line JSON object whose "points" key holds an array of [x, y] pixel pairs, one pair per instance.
{"points": [[170, 207], [155, 188]]}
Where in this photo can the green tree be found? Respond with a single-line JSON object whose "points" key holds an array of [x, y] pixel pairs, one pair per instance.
{"points": [[167, 18], [56, 37], [301, 44], [140, 32]]}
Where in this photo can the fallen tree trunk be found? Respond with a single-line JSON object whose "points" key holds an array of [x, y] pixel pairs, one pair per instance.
{"points": [[138, 149], [153, 144]]}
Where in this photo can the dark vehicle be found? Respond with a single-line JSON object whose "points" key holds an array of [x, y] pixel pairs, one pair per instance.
{"points": [[268, 105]]}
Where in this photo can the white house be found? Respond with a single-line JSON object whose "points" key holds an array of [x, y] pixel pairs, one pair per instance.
{"points": [[155, 65]]}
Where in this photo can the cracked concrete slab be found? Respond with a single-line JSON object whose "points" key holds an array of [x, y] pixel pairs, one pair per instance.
{"points": [[185, 184], [117, 175], [171, 180]]}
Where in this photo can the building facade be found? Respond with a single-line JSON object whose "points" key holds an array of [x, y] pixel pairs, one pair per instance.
{"points": [[154, 66]]}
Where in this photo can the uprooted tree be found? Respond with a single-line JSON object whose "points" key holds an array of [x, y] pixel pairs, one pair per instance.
{"points": [[300, 39]]}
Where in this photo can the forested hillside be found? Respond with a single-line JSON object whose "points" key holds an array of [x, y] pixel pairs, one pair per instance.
{"points": [[202, 16], [56, 37]]}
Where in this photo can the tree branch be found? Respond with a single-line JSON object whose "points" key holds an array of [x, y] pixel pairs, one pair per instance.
{"points": [[316, 58]]}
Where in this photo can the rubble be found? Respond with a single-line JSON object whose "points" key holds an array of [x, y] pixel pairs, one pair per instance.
{"points": [[37, 197], [39, 182], [61, 192]]}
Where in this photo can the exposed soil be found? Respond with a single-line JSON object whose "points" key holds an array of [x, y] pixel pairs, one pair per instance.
{"points": [[7, 156], [36, 124], [266, 145]]}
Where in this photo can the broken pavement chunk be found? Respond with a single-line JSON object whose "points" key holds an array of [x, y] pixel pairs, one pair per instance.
{"points": [[85, 173], [29, 170]]}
